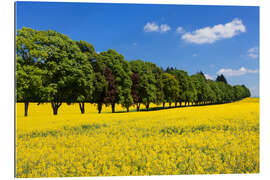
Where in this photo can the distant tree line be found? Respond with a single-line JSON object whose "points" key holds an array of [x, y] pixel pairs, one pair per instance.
{"points": [[50, 67]]}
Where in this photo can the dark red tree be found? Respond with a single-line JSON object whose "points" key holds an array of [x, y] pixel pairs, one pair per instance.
{"points": [[112, 92]]}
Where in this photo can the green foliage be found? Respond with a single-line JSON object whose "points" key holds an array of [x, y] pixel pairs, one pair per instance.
{"points": [[171, 87], [52, 67], [221, 78], [69, 71], [200, 85], [148, 83], [186, 89], [122, 73], [101, 86], [88, 49], [29, 86], [216, 97], [69, 75], [191, 93], [157, 71]]}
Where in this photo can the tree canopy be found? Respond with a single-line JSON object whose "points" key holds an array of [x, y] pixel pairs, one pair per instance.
{"points": [[222, 78], [51, 67]]}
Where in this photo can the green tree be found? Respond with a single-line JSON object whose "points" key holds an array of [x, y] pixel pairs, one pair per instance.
{"points": [[217, 92], [204, 92], [222, 86], [147, 85], [122, 73], [28, 74], [101, 86], [183, 81], [171, 88], [190, 94], [28, 84], [135, 89], [222, 78], [158, 74], [230, 93], [52, 67], [246, 92], [28, 49], [238, 92], [199, 84], [88, 49], [69, 75], [83, 87]]}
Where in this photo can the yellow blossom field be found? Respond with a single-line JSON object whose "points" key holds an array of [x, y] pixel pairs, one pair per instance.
{"points": [[214, 139]]}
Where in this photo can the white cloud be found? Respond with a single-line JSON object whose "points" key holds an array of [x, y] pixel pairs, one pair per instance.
{"points": [[253, 52], [237, 72], [194, 55], [164, 28], [134, 44], [217, 32], [211, 77], [151, 27], [179, 30]]}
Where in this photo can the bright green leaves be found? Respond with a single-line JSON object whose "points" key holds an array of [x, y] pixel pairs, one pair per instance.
{"points": [[170, 87], [51, 67]]}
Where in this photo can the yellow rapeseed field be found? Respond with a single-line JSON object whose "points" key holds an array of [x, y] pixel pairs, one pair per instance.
{"points": [[192, 140]]}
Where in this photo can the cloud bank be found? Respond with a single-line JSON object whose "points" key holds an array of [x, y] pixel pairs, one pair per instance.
{"points": [[215, 33], [237, 72]]}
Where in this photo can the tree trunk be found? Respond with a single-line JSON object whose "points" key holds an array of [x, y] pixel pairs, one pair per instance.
{"points": [[163, 105], [138, 107], [185, 103], [82, 107], [170, 104], [26, 105], [188, 103], [175, 104], [113, 107], [55, 106], [147, 107], [180, 103], [127, 109], [99, 107]]}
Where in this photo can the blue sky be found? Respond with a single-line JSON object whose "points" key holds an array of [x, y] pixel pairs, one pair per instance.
{"points": [[212, 39]]}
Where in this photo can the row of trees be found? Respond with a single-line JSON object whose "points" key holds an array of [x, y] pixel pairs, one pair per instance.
{"points": [[53, 68]]}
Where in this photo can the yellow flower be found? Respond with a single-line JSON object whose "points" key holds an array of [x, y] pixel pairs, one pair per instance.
{"points": [[193, 140]]}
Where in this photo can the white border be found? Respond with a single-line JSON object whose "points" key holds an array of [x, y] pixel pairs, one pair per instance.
{"points": [[7, 87]]}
